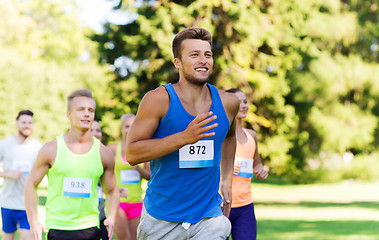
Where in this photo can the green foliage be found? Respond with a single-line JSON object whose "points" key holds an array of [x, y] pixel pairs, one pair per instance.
{"points": [[307, 68], [363, 167], [42, 45]]}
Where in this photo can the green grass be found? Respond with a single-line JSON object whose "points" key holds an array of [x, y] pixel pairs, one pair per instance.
{"points": [[343, 211], [301, 229]]}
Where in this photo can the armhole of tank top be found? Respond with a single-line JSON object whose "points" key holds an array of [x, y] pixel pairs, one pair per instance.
{"points": [[95, 147], [98, 143], [59, 149], [215, 93], [169, 89], [249, 138], [248, 134]]}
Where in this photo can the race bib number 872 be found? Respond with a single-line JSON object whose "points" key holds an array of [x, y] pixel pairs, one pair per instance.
{"points": [[77, 187], [197, 155]]}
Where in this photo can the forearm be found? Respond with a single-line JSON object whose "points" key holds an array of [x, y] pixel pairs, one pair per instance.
{"points": [[30, 195], [257, 161], [257, 164], [227, 160], [113, 201], [145, 173], [150, 149], [9, 174], [4, 174]]}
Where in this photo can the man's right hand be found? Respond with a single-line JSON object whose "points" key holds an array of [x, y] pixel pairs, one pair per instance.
{"points": [[36, 230], [195, 130]]}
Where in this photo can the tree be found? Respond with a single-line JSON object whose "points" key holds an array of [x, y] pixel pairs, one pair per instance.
{"points": [[278, 53], [42, 46]]}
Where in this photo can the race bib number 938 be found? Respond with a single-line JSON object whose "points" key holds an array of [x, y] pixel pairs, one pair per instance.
{"points": [[77, 187]]}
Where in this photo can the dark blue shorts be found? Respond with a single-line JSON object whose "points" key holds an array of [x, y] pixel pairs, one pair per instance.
{"points": [[244, 225], [11, 218]]}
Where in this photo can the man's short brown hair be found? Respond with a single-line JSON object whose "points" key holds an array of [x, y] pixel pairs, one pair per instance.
{"points": [[189, 33], [24, 112], [79, 93]]}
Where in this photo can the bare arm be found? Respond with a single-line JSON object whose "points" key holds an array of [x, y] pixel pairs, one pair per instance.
{"points": [[113, 148], [15, 175], [227, 165], [44, 161], [144, 171], [259, 170], [108, 182], [140, 145], [231, 106]]}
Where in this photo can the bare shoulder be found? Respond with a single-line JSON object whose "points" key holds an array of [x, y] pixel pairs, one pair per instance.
{"points": [[48, 152], [157, 97], [106, 153], [230, 101], [50, 146], [113, 147]]}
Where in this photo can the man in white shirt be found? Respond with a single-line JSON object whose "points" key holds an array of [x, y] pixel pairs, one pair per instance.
{"points": [[17, 155]]}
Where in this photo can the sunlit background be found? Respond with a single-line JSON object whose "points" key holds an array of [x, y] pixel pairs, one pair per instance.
{"points": [[310, 70]]}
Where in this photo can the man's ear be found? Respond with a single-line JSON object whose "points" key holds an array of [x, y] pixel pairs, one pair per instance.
{"points": [[177, 63]]}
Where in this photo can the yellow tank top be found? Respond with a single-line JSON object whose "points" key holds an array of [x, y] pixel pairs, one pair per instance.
{"points": [[127, 177], [241, 188], [72, 202]]}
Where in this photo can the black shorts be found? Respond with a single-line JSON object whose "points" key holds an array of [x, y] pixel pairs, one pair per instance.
{"points": [[93, 233]]}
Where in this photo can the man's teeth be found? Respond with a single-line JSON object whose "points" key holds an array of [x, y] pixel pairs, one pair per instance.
{"points": [[201, 69]]}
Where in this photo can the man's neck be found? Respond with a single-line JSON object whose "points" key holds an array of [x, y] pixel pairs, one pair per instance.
{"points": [[22, 139], [193, 93], [78, 136], [195, 99]]}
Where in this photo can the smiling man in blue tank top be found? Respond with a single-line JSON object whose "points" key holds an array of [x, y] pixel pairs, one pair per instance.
{"points": [[187, 132]]}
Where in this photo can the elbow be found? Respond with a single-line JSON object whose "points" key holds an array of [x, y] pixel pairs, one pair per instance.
{"points": [[131, 158], [135, 155]]}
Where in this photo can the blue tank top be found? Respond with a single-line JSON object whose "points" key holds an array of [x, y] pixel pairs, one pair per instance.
{"points": [[187, 191]]}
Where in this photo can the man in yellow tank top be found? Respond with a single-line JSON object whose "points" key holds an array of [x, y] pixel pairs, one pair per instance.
{"points": [[73, 162]]}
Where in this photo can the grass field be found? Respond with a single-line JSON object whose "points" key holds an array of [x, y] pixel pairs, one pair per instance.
{"points": [[343, 211]]}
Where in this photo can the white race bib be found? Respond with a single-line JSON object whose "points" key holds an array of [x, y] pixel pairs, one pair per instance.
{"points": [[23, 166], [246, 166], [130, 177], [197, 155], [77, 187]]}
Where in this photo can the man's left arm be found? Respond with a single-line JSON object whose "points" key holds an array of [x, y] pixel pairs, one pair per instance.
{"points": [[109, 184], [227, 165], [231, 106]]}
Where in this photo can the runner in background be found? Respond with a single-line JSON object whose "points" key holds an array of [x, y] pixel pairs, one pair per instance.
{"points": [[97, 133], [17, 155], [247, 162], [129, 182], [73, 162]]}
